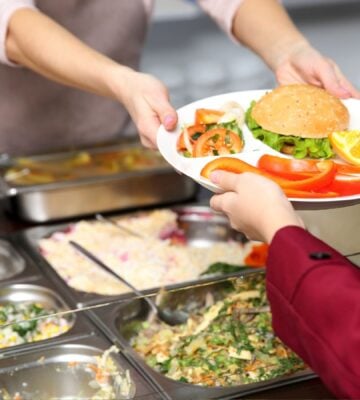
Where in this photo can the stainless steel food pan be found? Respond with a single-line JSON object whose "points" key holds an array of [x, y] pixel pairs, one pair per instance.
{"points": [[119, 324], [14, 264], [42, 292], [63, 372], [25, 293], [11, 263], [158, 184], [125, 191], [201, 226]]}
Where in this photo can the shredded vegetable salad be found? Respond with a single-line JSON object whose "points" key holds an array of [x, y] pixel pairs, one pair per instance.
{"points": [[228, 343], [108, 380]]}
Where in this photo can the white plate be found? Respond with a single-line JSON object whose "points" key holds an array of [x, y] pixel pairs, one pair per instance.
{"points": [[253, 148]]}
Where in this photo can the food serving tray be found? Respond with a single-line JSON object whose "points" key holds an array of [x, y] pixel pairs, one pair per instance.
{"points": [[60, 371], [119, 321], [84, 194], [43, 292], [14, 264], [202, 227]]}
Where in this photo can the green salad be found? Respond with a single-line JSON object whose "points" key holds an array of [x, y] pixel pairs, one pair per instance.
{"points": [[30, 329], [230, 342]]}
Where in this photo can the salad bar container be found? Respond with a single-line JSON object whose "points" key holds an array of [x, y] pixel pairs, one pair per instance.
{"points": [[121, 323], [37, 300], [65, 185], [201, 227], [63, 358], [14, 264], [85, 368]]}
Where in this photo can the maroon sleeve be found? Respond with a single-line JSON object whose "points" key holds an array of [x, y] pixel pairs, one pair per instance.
{"points": [[314, 294]]}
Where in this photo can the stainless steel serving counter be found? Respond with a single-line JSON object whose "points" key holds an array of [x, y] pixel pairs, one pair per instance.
{"points": [[312, 388]]}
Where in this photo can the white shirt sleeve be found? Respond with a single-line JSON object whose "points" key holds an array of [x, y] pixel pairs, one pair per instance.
{"points": [[222, 12], [7, 8]]}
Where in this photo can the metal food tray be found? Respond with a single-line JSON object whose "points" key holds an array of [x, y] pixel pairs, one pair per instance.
{"points": [[45, 371], [202, 227], [43, 292], [124, 190], [355, 259], [14, 264], [117, 323]]}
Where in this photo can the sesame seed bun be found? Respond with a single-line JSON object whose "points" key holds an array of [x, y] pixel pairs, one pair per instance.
{"points": [[301, 110]]}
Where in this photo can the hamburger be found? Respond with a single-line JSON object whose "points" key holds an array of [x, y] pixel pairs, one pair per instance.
{"points": [[297, 120]]}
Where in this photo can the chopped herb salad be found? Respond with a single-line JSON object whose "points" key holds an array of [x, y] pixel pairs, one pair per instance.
{"points": [[230, 342]]}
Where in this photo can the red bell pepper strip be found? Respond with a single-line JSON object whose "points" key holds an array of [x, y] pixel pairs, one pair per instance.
{"points": [[303, 194], [325, 175], [294, 168], [288, 168], [345, 185], [348, 169]]}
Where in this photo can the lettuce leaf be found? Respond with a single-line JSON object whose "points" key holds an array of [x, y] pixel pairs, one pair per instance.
{"points": [[303, 147]]}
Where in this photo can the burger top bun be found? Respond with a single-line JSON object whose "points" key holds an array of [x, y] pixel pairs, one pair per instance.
{"points": [[301, 110]]}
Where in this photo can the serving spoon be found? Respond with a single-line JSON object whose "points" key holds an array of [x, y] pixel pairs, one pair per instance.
{"points": [[170, 317]]}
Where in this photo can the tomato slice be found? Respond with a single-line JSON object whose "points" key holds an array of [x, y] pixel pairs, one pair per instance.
{"points": [[216, 142], [188, 136], [207, 116], [195, 131], [324, 177], [180, 144]]}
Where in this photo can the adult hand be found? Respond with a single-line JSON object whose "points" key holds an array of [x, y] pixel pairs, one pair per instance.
{"points": [[80, 66], [265, 27], [254, 205], [304, 64], [147, 101]]}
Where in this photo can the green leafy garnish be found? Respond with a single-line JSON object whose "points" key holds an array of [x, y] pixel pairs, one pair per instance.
{"points": [[223, 268]]}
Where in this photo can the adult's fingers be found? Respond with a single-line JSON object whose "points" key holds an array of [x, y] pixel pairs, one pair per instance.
{"points": [[165, 111], [148, 127], [147, 120], [345, 83], [146, 142], [329, 76]]}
